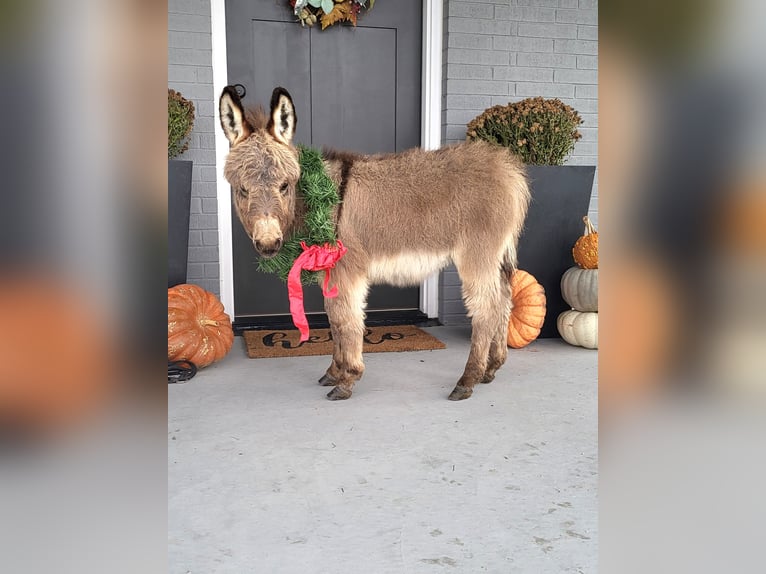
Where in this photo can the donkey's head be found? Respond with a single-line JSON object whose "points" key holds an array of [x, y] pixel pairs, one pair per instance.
{"points": [[262, 167]]}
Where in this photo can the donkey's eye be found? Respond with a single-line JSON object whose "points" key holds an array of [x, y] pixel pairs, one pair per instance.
{"points": [[283, 188]]}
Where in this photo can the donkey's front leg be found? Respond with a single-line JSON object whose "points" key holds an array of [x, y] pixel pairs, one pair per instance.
{"points": [[346, 315], [330, 378]]}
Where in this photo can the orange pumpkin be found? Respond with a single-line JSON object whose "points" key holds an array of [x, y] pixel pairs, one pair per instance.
{"points": [[528, 313], [198, 329], [585, 250]]}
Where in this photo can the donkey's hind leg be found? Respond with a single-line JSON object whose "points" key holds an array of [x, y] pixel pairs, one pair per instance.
{"points": [[498, 349], [486, 301]]}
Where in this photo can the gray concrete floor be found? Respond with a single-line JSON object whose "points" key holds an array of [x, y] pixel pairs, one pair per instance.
{"points": [[266, 475]]}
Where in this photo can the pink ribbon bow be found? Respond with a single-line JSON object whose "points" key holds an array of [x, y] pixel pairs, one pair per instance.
{"points": [[314, 258]]}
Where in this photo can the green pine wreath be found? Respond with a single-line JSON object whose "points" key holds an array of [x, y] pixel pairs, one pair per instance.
{"points": [[321, 196]]}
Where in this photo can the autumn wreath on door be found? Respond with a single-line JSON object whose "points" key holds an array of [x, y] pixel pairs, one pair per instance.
{"points": [[328, 12]]}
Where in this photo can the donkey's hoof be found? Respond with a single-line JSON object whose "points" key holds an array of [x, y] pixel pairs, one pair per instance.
{"points": [[327, 381], [339, 394], [487, 379], [459, 393]]}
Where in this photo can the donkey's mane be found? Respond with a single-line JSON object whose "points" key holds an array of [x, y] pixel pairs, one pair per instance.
{"points": [[331, 154], [256, 117]]}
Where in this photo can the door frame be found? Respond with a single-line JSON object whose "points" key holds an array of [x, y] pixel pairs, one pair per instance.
{"points": [[430, 138]]}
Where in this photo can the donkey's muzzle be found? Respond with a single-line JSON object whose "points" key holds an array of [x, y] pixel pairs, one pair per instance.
{"points": [[268, 248]]}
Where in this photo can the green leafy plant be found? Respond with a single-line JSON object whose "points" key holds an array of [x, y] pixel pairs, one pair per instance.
{"points": [[540, 131], [180, 123]]}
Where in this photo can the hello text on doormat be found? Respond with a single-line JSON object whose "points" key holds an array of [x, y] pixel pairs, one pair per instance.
{"points": [[286, 343]]}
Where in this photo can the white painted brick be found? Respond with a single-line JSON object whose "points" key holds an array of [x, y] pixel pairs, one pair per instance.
{"points": [[178, 73], [203, 254], [189, 56], [580, 159], [587, 62], [194, 91], [458, 117], [587, 32], [576, 76], [206, 124], [517, 44], [207, 141], [212, 269], [589, 4], [500, 100], [568, 3], [470, 26], [205, 107], [547, 30], [471, 10], [455, 132], [188, 23], [200, 93], [549, 3], [546, 60], [577, 16], [195, 204], [468, 72], [523, 74], [585, 106], [525, 14], [490, 87], [189, 7], [209, 205], [576, 47], [197, 40], [584, 148], [584, 91], [471, 41], [485, 57], [456, 102], [589, 134], [206, 173], [205, 75], [195, 238], [194, 270], [205, 189], [528, 89], [210, 237]]}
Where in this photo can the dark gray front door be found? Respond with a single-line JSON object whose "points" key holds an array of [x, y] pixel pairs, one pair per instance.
{"points": [[353, 88]]}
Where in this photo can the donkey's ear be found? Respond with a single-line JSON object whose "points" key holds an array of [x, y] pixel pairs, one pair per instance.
{"points": [[283, 120], [232, 114]]}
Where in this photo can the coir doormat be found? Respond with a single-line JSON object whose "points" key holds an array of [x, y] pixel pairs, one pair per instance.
{"points": [[286, 343]]}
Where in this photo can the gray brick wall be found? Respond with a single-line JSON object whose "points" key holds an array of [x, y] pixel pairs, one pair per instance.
{"points": [[495, 51], [190, 72], [499, 51]]}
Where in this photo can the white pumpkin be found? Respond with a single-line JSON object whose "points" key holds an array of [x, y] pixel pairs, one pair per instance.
{"points": [[579, 287], [579, 328]]}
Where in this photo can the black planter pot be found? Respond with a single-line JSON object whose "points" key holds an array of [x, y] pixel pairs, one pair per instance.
{"points": [[179, 204], [560, 199]]}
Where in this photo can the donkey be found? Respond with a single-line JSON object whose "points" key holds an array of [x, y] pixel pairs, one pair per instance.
{"points": [[402, 217]]}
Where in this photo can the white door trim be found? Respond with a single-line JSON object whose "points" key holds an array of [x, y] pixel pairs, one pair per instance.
{"points": [[431, 118], [223, 192], [430, 138]]}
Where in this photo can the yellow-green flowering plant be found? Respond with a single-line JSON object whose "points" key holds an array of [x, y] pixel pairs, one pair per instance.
{"points": [[540, 131]]}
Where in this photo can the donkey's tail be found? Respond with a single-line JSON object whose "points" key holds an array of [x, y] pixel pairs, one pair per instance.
{"points": [[509, 263], [520, 196]]}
